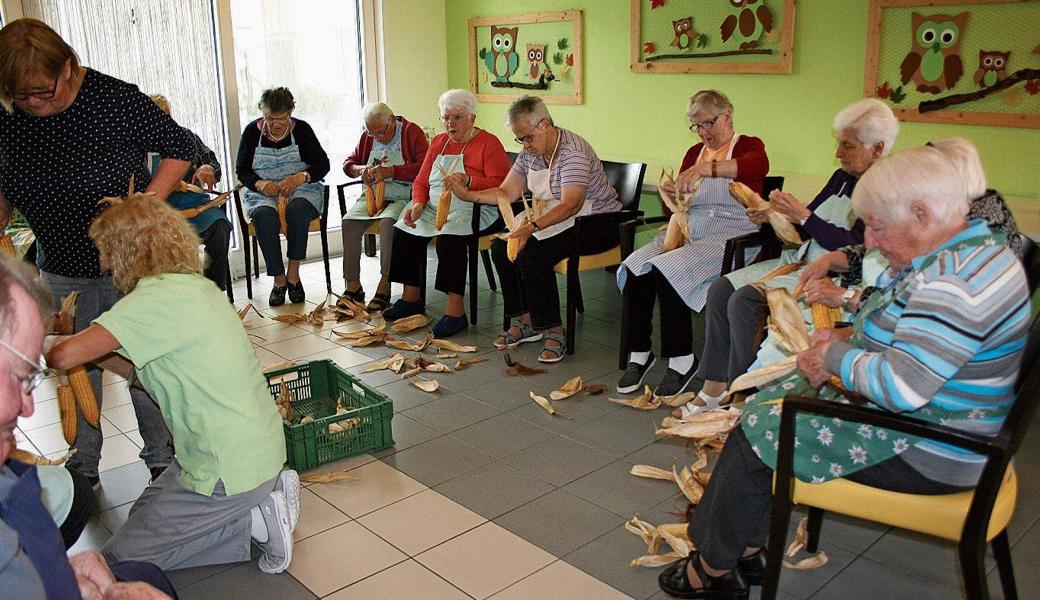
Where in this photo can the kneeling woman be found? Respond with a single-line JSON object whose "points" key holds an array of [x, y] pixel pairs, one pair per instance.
{"points": [[226, 484]]}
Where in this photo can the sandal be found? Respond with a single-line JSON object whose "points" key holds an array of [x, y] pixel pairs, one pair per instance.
{"points": [[510, 340], [675, 582], [558, 351], [701, 403], [378, 303]]}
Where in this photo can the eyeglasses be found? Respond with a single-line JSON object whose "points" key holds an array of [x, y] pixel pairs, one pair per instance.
{"points": [[381, 133], [704, 125], [283, 119], [36, 376], [526, 139], [453, 118], [22, 96]]}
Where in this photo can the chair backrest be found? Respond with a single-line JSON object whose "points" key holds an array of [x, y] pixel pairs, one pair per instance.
{"points": [[341, 193], [512, 157], [770, 183], [627, 179], [1031, 261], [1027, 391]]}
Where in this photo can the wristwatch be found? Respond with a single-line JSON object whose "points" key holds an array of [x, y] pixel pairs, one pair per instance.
{"points": [[846, 298], [535, 227]]}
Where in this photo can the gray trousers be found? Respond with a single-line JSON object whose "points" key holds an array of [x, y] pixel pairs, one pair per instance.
{"points": [[95, 297], [176, 528], [353, 230], [734, 321]]}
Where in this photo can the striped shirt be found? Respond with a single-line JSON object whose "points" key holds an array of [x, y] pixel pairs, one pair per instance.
{"points": [[576, 163], [945, 348]]}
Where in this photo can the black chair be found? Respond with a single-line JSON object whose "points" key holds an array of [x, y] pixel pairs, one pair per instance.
{"points": [[319, 224]]}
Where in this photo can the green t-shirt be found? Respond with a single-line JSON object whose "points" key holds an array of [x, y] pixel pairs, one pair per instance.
{"points": [[191, 353]]}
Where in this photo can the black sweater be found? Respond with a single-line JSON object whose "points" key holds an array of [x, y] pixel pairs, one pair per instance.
{"points": [[311, 152]]}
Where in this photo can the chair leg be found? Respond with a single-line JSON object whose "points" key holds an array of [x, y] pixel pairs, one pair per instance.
{"points": [[256, 259], [227, 282], [249, 280], [973, 569], [626, 326], [489, 270], [775, 550], [370, 244], [1002, 552], [325, 257], [471, 259], [579, 303], [573, 299], [813, 529]]}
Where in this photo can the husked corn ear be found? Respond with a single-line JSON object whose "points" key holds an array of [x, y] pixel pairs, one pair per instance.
{"points": [[824, 316], [6, 245], [745, 195], [67, 408], [443, 206], [380, 195], [783, 228], [370, 201], [85, 399], [512, 248], [283, 202], [673, 236]]}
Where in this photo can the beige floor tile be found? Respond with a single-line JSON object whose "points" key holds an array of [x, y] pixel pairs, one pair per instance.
{"points": [[47, 390], [94, 536], [316, 516], [485, 560], [304, 345], [344, 357], [404, 580], [108, 378], [118, 451], [422, 521], [123, 417], [115, 394], [135, 437], [22, 442], [45, 412], [377, 485], [266, 357], [287, 308], [339, 557], [108, 429], [47, 439], [560, 581], [275, 332], [345, 464]]}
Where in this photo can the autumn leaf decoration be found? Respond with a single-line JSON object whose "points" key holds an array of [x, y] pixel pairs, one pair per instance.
{"points": [[1033, 86], [649, 48], [702, 40], [884, 91], [898, 95], [656, 4]]}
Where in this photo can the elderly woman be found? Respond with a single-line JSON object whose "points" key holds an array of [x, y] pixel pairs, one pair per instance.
{"points": [[212, 224], [281, 160], [69, 136], [562, 170], [736, 311], [680, 278], [391, 149], [941, 340], [463, 158]]}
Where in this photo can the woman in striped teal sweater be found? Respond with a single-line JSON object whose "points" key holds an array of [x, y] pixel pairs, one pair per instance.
{"points": [[941, 340]]}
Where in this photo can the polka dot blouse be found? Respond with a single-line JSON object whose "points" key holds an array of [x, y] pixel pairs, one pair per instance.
{"points": [[55, 169]]}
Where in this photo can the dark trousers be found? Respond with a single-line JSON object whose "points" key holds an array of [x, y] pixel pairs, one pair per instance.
{"points": [[135, 570], [216, 238], [734, 512], [83, 505], [408, 259], [676, 330], [298, 216], [734, 322]]}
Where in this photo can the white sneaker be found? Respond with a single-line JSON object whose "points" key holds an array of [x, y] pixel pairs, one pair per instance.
{"points": [[289, 484], [277, 550]]}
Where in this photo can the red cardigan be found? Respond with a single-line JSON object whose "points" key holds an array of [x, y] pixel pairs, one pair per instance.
{"points": [[413, 149], [752, 163]]}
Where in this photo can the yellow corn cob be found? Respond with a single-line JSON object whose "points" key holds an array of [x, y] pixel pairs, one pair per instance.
{"points": [[85, 399], [67, 408], [6, 245], [673, 237], [824, 316], [443, 205], [512, 248], [370, 201], [380, 195], [283, 202]]}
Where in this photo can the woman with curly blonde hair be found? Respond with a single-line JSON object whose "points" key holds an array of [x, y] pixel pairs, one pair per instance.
{"points": [[226, 484]]}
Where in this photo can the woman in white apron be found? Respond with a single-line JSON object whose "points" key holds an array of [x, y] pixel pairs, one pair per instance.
{"points": [[563, 171], [462, 158], [281, 156], [736, 311], [679, 279], [391, 149]]}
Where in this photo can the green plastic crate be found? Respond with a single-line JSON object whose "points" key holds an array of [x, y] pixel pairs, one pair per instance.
{"points": [[314, 388]]}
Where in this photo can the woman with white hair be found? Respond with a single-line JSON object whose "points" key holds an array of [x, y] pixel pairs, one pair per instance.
{"points": [[736, 311], [463, 157], [391, 149], [941, 341], [563, 172]]}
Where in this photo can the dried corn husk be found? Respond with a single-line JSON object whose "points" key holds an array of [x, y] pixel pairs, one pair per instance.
{"points": [[406, 345], [329, 477], [704, 424], [307, 419], [68, 303], [652, 472], [679, 399], [245, 311], [645, 401], [368, 340], [315, 316], [291, 318], [462, 363], [653, 561], [764, 375], [452, 346], [517, 368], [573, 386], [674, 535], [784, 228], [426, 385], [689, 483], [351, 309], [283, 203], [184, 186], [801, 537], [67, 408], [443, 206], [446, 355], [409, 323], [594, 389], [549, 408], [812, 562], [24, 456], [436, 367], [394, 362], [362, 333], [278, 366], [785, 319], [6, 245], [284, 402], [411, 372]]}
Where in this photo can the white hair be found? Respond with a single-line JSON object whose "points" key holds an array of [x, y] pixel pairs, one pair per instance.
{"points": [[712, 101], [892, 184], [528, 109], [458, 100], [376, 112], [872, 121], [965, 158]]}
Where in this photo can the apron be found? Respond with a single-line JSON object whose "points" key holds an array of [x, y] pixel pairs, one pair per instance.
{"points": [[275, 164], [540, 184], [460, 213], [39, 537], [185, 200], [714, 216], [396, 193]]}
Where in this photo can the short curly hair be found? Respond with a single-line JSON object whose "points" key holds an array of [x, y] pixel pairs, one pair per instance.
{"points": [[277, 100], [142, 236]]}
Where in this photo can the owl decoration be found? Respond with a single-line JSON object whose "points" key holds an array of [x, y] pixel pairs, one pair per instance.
{"points": [[746, 22], [503, 60], [684, 33], [535, 56], [934, 61], [992, 67]]}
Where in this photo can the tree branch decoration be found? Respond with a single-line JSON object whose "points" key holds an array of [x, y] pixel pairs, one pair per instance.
{"points": [[710, 54], [1022, 75]]}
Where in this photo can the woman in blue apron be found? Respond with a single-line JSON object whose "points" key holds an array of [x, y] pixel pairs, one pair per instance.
{"points": [[280, 156]]}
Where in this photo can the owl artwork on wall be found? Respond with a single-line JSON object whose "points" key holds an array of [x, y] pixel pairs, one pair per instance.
{"points": [[684, 33], [502, 61], [747, 21], [934, 62], [535, 56], [992, 67]]}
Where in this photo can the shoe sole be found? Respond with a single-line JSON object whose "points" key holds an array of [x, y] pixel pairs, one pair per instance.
{"points": [[532, 338], [284, 522], [289, 481], [639, 384]]}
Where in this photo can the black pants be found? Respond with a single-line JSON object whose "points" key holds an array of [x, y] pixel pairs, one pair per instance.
{"points": [[408, 259], [676, 330], [734, 322], [216, 238], [83, 505], [734, 512]]}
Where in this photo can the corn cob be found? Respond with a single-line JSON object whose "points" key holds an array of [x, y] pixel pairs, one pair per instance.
{"points": [[370, 200], [824, 317], [283, 202], [783, 228], [443, 206], [85, 399], [380, 195], [6, 245], [673, 237], [67, 408]]}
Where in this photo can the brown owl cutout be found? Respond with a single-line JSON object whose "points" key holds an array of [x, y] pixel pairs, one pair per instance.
{"points": [[684, 33], [934, 61], [992, 67], [535, 56]]}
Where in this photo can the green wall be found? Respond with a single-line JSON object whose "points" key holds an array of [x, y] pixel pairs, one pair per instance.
{"points": [[628, 116]]}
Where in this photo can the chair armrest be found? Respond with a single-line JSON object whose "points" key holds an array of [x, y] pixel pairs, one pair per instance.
{"points": [[341, 193], [599, 221], [764, 238], [629, 229]]}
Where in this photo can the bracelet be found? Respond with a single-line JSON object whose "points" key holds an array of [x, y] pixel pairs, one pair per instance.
{"points": [[714, 166]]}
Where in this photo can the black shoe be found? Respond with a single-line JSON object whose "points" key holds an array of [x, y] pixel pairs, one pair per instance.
{"points": [[95, 482], [674, 383], [673, 581], [296, 294], [277, 297], [156, 472], [404, 308], [753, 568], [633, 377]]}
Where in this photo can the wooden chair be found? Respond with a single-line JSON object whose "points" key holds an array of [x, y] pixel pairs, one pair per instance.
{"points": [[319, 224], [972, 518]]}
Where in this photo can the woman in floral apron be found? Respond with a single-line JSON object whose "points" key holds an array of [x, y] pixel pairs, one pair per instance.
{"points": [[941, 341], [280, 156]]}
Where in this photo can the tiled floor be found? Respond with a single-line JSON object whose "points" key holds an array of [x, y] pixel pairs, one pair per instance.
{"points": [[487, 496]]}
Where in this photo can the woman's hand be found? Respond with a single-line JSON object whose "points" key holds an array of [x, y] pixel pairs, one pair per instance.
{"points": [[523, 233], [758, 216], [92, 574], [267, 188], [824, 291], [830, 334], [811, 362], [377, 174], [412, 214], [205, 177], [819, 268], [458, 184], [289, 184], [789, 206], [687, 179]]}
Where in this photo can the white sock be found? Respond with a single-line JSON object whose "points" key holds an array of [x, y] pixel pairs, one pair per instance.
{"points": [[258, 529], [681, 364], [639, 358]]}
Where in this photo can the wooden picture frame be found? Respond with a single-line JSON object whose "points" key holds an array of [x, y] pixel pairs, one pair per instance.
{"points": [[704, 62], [952, 106], [479, 75]]}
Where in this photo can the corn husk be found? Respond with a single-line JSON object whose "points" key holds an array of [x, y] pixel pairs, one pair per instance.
{"points": [[679, 399], [291, 318], [245, 311], [29, 458], [409, 324], [283, 204], [370, 200], [406, 345], [315, 317], [801, 538], [653, 561], [65, 322], [549, 408], [411, 372], [462, 363], [594, 389], [645, 401], [690, 483], [704, 424], [278, 366], [784, 229], [785, 319], [517, 368], [452, 346], [446, 355], [307, 419], [284, 402], [573, 386], [426, 385], [436, 367], [348, 308], [394, 362], [673, 236], [652, 472], [764, 375], [812, 562], [361, 333], [673, 535], [329, 477], [368, 340]]}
